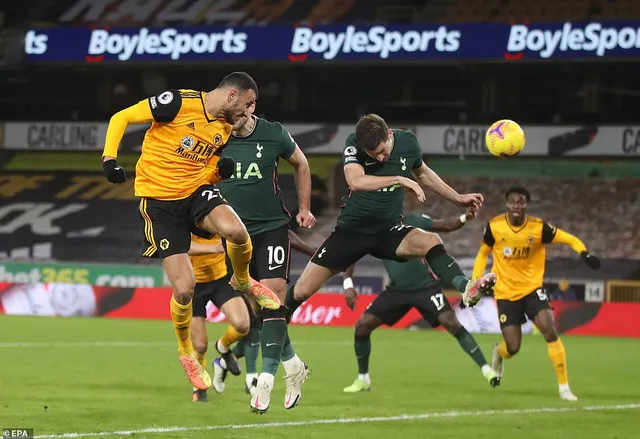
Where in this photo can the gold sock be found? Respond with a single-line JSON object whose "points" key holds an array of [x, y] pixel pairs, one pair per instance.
{"points": [[181, 316], [503, 352], [230, 337], [558, 358], [202, 359], [240, 256]]}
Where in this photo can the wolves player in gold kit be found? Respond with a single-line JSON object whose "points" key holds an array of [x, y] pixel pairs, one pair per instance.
{"points": [[518, 244]]}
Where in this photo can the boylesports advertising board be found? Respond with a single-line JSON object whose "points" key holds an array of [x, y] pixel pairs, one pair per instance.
{"points": [[426, 42]]}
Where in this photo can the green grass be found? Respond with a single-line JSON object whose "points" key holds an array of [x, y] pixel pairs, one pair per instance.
{"points": [[57, 388]]}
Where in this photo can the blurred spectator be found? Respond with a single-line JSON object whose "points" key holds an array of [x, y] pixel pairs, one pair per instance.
{"points": [[564, 292]]}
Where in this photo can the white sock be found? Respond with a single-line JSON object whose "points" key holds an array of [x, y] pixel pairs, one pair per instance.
{"points": [[293, 365], [486, 369], [221, 349], [564, 388], [266, 378], [249, 379], [364, 377]]}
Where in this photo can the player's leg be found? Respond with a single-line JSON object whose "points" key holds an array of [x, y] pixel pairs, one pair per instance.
{"points": [[164, 237], [450, 322], [200, 341], [271, 263], [210, 212], [416, 243], [385, 309], [539, 310], [235, 309], [511, 315]]}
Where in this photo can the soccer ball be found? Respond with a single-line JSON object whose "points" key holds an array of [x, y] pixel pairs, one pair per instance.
{"points": [[505, 138]]}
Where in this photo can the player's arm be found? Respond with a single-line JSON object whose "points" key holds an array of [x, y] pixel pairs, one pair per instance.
{"points": [[554, 235], [298, 244], [200, 248], [302, 177], [350, 294], [429, 179], [161, 108], [452, 224], [488, 242]]}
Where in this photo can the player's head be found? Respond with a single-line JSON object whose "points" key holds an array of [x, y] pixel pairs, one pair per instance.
{"points": [[244, 121], [240, 92], [517, 199], [374, 137]]}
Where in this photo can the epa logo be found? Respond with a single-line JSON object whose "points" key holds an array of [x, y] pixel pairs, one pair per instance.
{"points": [[35, 44]]}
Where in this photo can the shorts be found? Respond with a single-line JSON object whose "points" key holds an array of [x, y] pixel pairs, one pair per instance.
{"points": [[271, 257], [391, 305], [344, 248], [514, 312], [168, 224], [219, 292]]}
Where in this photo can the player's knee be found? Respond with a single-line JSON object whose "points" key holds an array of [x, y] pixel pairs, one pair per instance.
{"points": [[183, 289], [362, 329], [234, 231], [242, 325], [450, 323], [550, 335]]}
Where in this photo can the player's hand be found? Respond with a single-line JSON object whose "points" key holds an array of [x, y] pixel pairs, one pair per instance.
{"points": [[413, 187], [224, 168], [306, 219], [112, 170], [471, 213], [470, 200], [351, 298], [590, 260]]}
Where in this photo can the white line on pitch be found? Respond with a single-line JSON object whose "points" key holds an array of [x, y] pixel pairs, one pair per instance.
{"points": [[103, 344], [451, 414]]}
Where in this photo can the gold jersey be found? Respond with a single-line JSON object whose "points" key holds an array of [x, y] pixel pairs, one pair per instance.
{"points": [[181, 148], [209, 267]]}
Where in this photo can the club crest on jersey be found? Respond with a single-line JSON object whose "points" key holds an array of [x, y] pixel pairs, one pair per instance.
{"points": [[259, 152], [404, 163], [217, 139], [188, 142]]}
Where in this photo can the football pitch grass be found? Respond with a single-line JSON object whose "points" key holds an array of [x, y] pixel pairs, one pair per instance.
{"points": [[83, 377]]}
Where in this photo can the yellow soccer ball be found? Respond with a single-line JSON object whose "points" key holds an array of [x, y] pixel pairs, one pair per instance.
{"points": [[505, 138]]}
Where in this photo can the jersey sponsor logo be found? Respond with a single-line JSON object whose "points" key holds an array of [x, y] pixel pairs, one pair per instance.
{"points": [[251, 171], [195, 150], [517, 252], [391, 188], [378, 40], [593, 37]]}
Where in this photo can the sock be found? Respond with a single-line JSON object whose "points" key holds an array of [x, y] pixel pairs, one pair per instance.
{"points": [[290, 302], [238, 349], [502, 351], [251, 351], [469, 345], [230, 337], [364, 377], [486, 369], [240, 256], [558, 358], [181, 316], [446, 268], [202, 359], [249, 379], [288, 352], [266, 377], [292, 365], [362, 347], [274, 333]]}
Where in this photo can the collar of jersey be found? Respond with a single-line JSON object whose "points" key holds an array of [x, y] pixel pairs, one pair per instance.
{"points": [[204, 108], [513, 229], [254, 117]]}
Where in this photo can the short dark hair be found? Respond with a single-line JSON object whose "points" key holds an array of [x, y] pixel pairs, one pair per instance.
{"points": [[518, 190], [240, 80], [371, 131]]}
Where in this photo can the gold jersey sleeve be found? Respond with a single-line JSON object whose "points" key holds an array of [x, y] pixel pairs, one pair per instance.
{"points": [[518, 255], [208, 268], [180, 148]]}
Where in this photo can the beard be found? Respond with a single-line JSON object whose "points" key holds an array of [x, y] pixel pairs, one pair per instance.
{"points": [[229, 116]]}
